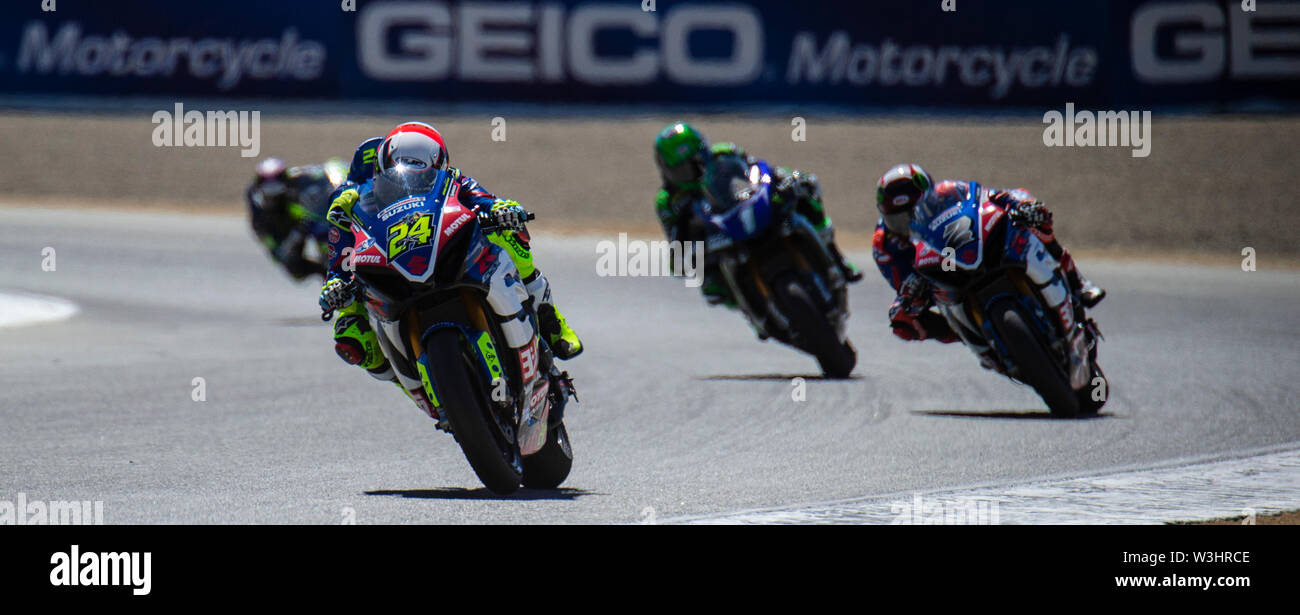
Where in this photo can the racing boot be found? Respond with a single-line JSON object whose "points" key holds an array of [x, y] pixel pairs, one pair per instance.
{"points": [[1089, 294], [560, 337]]}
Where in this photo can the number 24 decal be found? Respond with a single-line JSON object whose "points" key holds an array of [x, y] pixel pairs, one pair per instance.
{"points": [[408, 234]]}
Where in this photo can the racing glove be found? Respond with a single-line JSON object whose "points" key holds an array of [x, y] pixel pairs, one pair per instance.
{"points": [[904, 323], [506, 215], [1031, 215], [797, 186], [336, 294], [911, 318], [915, 326], [808, 186], [913, 298]]}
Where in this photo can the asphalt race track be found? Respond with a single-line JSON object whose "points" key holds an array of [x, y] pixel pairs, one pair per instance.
{"points": [[684, 413]]}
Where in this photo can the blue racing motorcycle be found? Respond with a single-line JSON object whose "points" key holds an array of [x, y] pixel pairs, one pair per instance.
{"points": [[774, 264], [433, 285], [1000, 289]]}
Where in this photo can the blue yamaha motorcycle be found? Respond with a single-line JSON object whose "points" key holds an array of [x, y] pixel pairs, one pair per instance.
{"points": [[775, 264]]}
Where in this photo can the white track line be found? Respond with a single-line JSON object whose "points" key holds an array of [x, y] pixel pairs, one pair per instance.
{"points": [[20, 309], [1262, 484]]}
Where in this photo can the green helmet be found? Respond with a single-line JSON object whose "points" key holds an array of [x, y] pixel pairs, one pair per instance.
{"points": [[680, 152]]}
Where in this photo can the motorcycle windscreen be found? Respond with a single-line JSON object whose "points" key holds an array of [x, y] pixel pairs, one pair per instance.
{"points": [[946, 222], [738, 197]]}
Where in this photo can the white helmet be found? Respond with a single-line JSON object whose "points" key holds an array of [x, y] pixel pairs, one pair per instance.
{"points": [[415, 145]]}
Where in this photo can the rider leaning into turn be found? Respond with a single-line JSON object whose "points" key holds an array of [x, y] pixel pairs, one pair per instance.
{"points": [[419, 144], [897, 193], [682, 154], [286, 207]]}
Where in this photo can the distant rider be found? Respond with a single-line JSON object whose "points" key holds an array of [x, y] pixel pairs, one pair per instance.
{"points": [[419, 146], [682, 153], [287, 208], [910, 316]]}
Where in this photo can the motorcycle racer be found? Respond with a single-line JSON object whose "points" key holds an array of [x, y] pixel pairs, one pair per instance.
{"points": [[897, 193], [682, 154], [419, 146], [287, 208]]}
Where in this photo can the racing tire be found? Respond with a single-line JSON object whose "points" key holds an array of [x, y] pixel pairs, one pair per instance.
{"points": [[496, 461], [1033, 362], [1088, 405], [836, 358], [548, 467]]}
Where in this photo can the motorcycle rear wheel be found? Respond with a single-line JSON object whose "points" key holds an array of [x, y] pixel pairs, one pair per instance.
{"points": [[548, 467]]}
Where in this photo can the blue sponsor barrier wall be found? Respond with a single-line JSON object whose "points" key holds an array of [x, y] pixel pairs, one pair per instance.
{"points": [[985, 54]]}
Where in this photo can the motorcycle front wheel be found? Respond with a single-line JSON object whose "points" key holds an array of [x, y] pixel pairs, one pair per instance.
{"points": [[493, 456], [1034, 364], [836, 358]]}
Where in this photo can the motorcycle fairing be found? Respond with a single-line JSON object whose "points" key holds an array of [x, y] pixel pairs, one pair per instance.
{"points": [[407, 232], [961, 227], [1016, 249], [481, 259], [748, 218]]}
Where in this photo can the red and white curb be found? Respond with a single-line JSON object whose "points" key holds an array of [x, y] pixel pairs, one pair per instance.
{"points": [[1258, 485], [20, 309]]}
